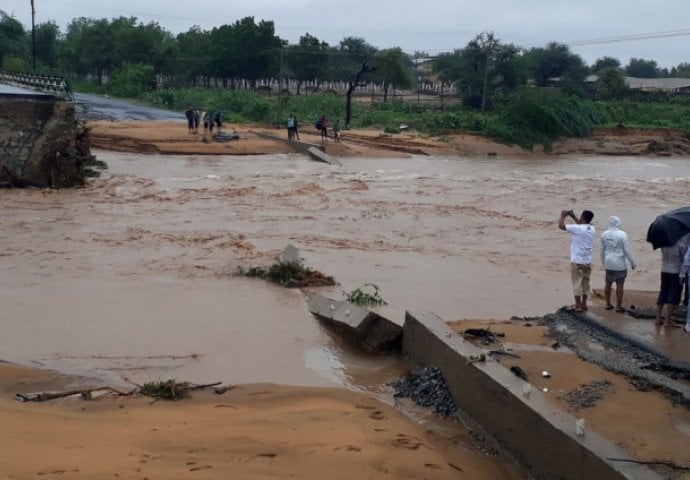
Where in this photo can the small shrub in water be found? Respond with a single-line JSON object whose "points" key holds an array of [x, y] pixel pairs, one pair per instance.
{"points": [[360, 297]]}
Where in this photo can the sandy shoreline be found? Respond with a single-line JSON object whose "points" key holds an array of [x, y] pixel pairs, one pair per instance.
{"points": [[250, 432], [173, 138]]}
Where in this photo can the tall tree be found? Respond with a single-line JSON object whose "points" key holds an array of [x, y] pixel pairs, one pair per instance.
{"points": [[641, 68], [681, 70], [394, 68], [14, 42], [605, 62], [353, 64], [246, 50], [556, 61], [194, 55], [482, 70], [610, 84], [47, 42], [308, 60]]}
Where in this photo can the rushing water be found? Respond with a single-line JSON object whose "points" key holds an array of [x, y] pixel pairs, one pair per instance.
{"points": [[125, 278]]}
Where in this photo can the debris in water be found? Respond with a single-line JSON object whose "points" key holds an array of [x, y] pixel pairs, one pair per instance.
{"points": [[520, 373]]}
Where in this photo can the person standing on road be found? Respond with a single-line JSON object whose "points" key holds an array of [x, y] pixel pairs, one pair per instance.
{"points": [[296, 128], [670, 287], [189, 113], [291, 127], [323, 126], [615, 250], [581, 242], [685, 278]]}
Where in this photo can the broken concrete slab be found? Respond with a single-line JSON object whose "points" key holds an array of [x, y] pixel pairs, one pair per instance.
{"points": [[542, 439], [371, 330], [309, 149], [321, 156]]}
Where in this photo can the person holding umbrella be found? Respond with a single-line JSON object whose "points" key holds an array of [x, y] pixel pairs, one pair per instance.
{"points": [[670, 232], [671, 287], [581, 242], [684, 278]]}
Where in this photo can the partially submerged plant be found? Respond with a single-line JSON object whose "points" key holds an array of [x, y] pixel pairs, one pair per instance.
{"points": [[164, 390], [359, 296], [289, 274]]}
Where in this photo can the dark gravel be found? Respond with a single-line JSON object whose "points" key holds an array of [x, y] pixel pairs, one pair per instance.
{"points": [[645, 369], [426, 387], [679, 314], [587, 396]]}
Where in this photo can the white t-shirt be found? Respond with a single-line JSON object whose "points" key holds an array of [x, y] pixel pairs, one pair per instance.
{"points": [[581, 242]]}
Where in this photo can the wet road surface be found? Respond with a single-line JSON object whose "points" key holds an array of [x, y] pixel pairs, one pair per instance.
{"points": [[99, 107]]}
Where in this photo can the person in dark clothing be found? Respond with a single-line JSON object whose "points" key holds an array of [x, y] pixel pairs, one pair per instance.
{"points": [[218, 120], [197, 119], [189, 113]]}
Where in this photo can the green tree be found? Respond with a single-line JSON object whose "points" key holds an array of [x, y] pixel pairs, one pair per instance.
{"points": [[605, 62], [610, 84], [640, 68], [681, 70], [394, 68], [14, 43], [88, 47], [308, 60], [47, 42], [555, 64], [194, 55], [132, 80], [482, 70], [352, 63], [246, 50]]}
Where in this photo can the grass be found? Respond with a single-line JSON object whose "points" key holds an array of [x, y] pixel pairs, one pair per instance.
{"points": [[164, 390], [527, 118], [289, 274], [359, 296]]}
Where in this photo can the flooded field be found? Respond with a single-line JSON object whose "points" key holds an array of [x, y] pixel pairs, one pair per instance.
{"points": [[125, 278]]}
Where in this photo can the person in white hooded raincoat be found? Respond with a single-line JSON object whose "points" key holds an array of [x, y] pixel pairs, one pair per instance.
{"points": [[615, 250]]}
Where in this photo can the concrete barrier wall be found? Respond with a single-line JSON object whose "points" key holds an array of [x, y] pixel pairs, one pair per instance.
{"points": [[542, 439], [37, 141]]}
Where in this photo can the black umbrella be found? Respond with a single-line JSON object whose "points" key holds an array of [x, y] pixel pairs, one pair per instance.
{"points": [[668, 228]]}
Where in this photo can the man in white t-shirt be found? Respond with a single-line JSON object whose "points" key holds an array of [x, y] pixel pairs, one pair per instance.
{"points": [[581, 242]]}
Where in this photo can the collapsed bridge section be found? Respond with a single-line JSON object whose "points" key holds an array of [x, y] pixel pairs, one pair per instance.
{"points": [[41, 144]]}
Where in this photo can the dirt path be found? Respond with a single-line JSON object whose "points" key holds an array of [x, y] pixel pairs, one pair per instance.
{"points": [[168, 137]]}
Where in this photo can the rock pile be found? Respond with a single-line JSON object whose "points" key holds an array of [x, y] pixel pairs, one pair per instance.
{"points": [[428, 388]]}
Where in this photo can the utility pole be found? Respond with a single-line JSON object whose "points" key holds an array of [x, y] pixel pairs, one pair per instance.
{"points": [[33, 34]]}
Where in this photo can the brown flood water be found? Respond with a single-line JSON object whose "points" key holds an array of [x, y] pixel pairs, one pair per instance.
{"points": [[123, 279]]}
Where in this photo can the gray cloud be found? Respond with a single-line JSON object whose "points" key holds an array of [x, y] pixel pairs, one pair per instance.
{"points": [[431, 25]]}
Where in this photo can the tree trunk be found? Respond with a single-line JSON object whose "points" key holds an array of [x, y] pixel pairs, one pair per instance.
{"points": [[299, 85], [385, 92], [351, 89]]}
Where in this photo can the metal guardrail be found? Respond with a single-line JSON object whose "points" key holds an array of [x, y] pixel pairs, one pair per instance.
{"points": [[53, 85]]}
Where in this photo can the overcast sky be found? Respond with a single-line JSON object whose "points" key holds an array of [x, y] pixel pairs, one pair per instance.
{"points": [[430, 25]]}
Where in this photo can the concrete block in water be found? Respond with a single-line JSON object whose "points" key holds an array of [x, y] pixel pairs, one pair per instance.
{"points": [[321, 156], [371, 330]]}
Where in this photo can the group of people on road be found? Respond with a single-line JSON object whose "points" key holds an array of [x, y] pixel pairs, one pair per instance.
{"points": [[616, 254], [322, 125], [209, 119]]}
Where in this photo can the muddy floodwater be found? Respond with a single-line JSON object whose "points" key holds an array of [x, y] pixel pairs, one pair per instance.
{"points": [[126, 278]]}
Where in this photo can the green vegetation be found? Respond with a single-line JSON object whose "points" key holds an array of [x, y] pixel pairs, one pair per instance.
{"points": [[502, 87], [289, 274], [164, 390], [359, 296]]}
